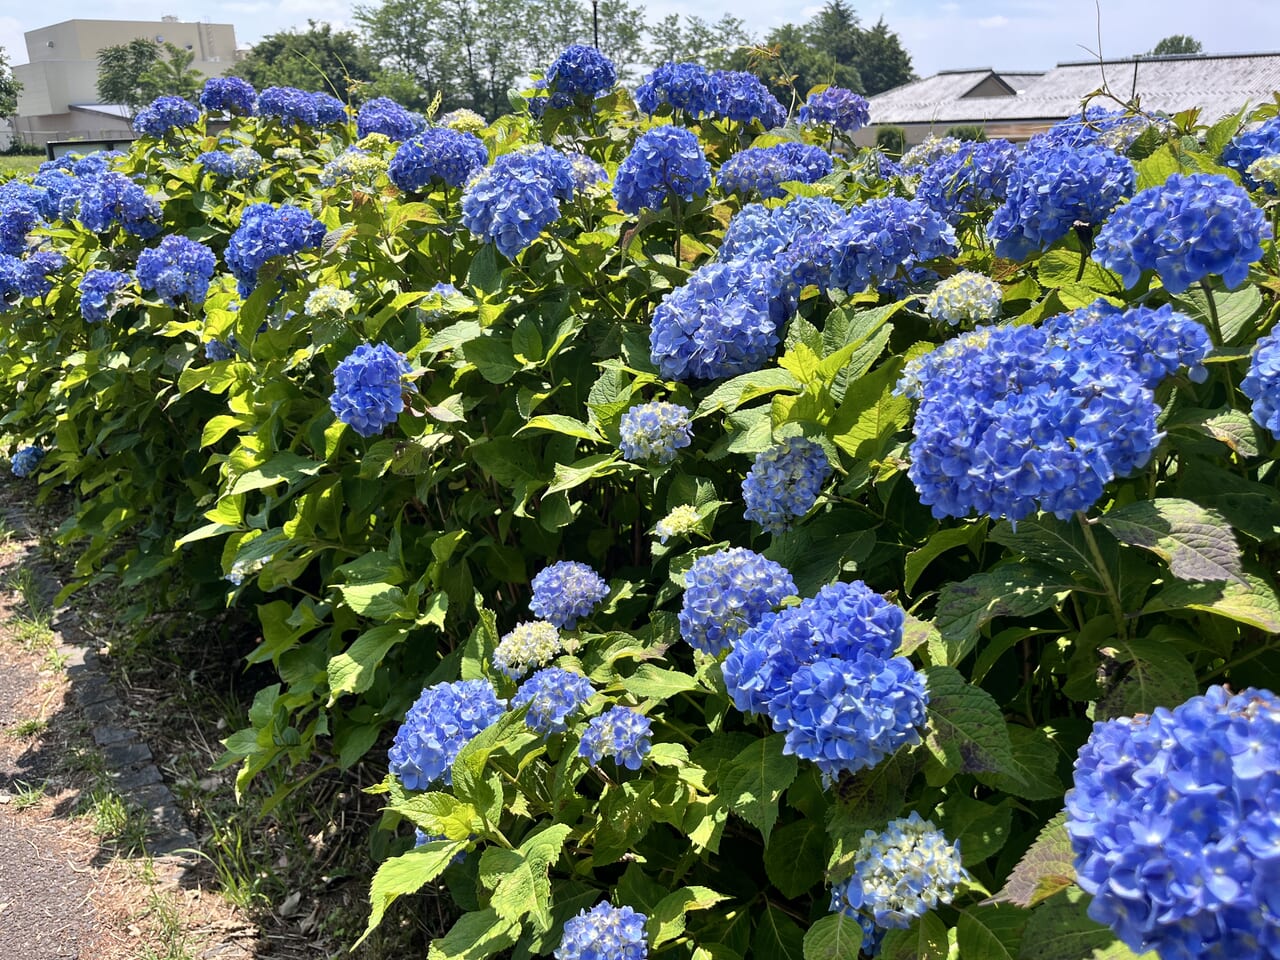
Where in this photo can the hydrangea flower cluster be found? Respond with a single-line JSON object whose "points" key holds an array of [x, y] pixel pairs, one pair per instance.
{"points": [[368, 388], [17, 219], [328, 299], [229, 95], [221, 349], [1266, 171], [512, 202], [1114, 129], [763, 170], [1051, 190], [581, 71], [177, 268], [26, 460], [354, 165], [1262, 383], [438, 725], [882, 240], [965, 297], [621, 734], [383, 115], [462, 120], [1250, 145], [265, 232], [683, 519], [726, 593], [900, 874], [439, 155], [742, 97], [929, 151], [586, 172], [552, 694], [33, 277], [784, 482], [722, 322], [1157, 342], [236, 164], [687, 87], [604, 932], [287, 154], [1012, 420], [789, 237], [329, 109], [112, 198], [529, 645], [970, 181], [654, 431], [164, 114], [842, 110], [56, 194], [98, 289], [825, 674], [1188, 228], [1175, 824], [289, 105], [565, 592], [665, 160]]}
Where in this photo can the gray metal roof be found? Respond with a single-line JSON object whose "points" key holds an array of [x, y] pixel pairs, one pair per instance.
{"points": [[1217, 84]]}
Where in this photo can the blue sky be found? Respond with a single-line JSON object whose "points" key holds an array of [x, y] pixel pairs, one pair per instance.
{"points": [[939, 34]]}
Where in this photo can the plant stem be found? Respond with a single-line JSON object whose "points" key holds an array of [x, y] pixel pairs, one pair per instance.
{"points": [[1104, 574], [677, 214], [1215, 328]]}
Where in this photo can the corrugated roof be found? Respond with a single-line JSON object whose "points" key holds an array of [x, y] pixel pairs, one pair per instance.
{"points": [[1218, 85], [118, 110]]}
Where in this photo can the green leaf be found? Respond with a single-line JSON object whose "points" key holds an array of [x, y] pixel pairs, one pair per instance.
{"points": [[484, 273], [777, 937], [568, 476], [1008, 590], [967, 731], [1035, 766], [1118, 951], [742, 389], [1157, 168], [626, 814], [834, 937], [1196, 543], [752, 782], [925, 939], [1046, 868], [404, 874], [352, 671], [475, 936], [667, 920], [1059, 929], [1254, 602], [1158, 676], [969, 535], [568, 426], [377, 600], [656, 683], [871, 413], [992, 932], [982, 828], [440, 814], [1236, 310], [795, 856], [282, 466]]}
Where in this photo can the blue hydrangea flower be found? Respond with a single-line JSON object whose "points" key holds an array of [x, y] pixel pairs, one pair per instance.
{"points": [[528, 645], [164, 114], [883, 240], [1112, 129], [1262, 383], [825, 674], [726, 593], [368, 388], [900, 874], [229, 95], [265, 232], [98, 289], [842, 110], [722, 322], [30, 276], [784, 482], [439, 724], [1157, 342], [1174, 820], [763, 170], [57, 194], [621, 734], [586, 172], [383, 115], [17, 220], [970, 181], [654, 431], [741, 96], [565, 592], [965, 297], [686, 87], [552, 694], [512, 202], [437, 155], [1012, 420], [221, 349], [604, 932], [329, 109], [236, 164], [26, 460], [111, 198], [1251, 145], [665, 161], [1051, 190], [177, 268], [791, 238], [581, 71], [289, 105], [1188, 228]]}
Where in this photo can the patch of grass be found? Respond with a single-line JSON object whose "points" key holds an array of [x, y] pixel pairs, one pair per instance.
{"points": [[245, 876], [26, 794], [108, 812], [28, 728], [167, 929], [16, 166]]}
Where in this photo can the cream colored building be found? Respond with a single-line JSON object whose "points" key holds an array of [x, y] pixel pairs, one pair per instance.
{"points": [[59, 98]]}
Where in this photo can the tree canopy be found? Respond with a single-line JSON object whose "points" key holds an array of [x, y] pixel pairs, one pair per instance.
{"points": [[9, 87], [318, 58], [137, 72], [1178, 43]]}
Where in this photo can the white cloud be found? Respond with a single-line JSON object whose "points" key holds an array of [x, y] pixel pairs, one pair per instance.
{"points": [[990, 23]]}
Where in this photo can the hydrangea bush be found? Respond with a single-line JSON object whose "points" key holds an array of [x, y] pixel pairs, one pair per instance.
{"points": [[725, 546]]}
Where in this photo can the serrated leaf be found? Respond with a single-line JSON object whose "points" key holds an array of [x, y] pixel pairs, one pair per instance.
{"points": [[440, 814], [404, 874], [1254, 602], [777, 936], [871, 413], [1197, 543], [1157, 676], [925, 939], [834, 937], [353, 670], [667, 920], [794, 858], [1035, 766], [980, 827], [283, 466], [752, 782], [475, 936], [742, 389], [992, 932], [966, 731], [1047, 867], [1059, 929], [939, 543], [653, 682], [1009, 590], [568, 426]]}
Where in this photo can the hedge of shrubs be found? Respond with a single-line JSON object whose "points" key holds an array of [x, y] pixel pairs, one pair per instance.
{"points": [[739, 542]]}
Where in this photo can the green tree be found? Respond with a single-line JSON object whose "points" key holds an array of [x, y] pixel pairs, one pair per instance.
{"points": [[121, 69], [1178, 43], [9, 87], [882, 60], [318, 58], [714, 45], [791, 65], [171, 75]]}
